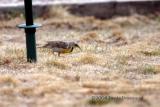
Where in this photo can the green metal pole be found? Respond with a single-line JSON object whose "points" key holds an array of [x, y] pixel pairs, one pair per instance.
{"points": [[31, 45], [30, 29], [30, 33]]}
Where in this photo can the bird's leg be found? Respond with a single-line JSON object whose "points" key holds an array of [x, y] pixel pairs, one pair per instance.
{"points": [[54, 55], [58, 53]]}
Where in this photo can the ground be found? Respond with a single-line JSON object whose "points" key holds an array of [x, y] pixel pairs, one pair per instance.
{"points": [[119, 63]]}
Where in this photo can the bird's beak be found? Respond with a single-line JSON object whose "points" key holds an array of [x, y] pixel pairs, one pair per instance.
{"points": [[78, 47]]}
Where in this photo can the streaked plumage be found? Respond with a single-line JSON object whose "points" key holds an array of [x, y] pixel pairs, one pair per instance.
{"points": [[61, 47]]}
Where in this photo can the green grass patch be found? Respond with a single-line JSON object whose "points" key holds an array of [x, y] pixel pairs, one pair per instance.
{"points": [[149, 69], [151, 53], [103, 100]]}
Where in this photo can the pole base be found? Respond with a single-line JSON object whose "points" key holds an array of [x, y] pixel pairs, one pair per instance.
{"points": [[30, 41]]}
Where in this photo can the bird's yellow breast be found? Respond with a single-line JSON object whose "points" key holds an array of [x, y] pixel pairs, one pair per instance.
{"points": [[66, 50]]}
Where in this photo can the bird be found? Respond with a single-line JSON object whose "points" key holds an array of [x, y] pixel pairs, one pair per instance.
{"points": [[61, 47]]}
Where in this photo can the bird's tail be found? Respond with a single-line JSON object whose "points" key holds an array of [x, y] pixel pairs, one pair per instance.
{"points": [[40, 46]]}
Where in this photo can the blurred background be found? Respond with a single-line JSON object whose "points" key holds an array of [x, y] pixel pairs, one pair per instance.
{"points": [[99, 8], [120, 57]]}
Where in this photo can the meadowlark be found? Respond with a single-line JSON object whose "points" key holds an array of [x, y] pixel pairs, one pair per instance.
{"points": [[61, 47]]}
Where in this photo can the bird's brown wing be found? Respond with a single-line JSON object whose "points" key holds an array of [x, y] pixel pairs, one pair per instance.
{"points": [[56, 44]]}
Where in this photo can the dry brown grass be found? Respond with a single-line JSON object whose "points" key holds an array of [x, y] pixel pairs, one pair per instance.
{"points": [[131, 21], [91, 36], [107, 65], [57, 64], [88, 59], [7, 80], [57, 12]]}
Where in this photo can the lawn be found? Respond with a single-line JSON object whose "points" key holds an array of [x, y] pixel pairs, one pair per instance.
{"points": [[120, 58]]}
